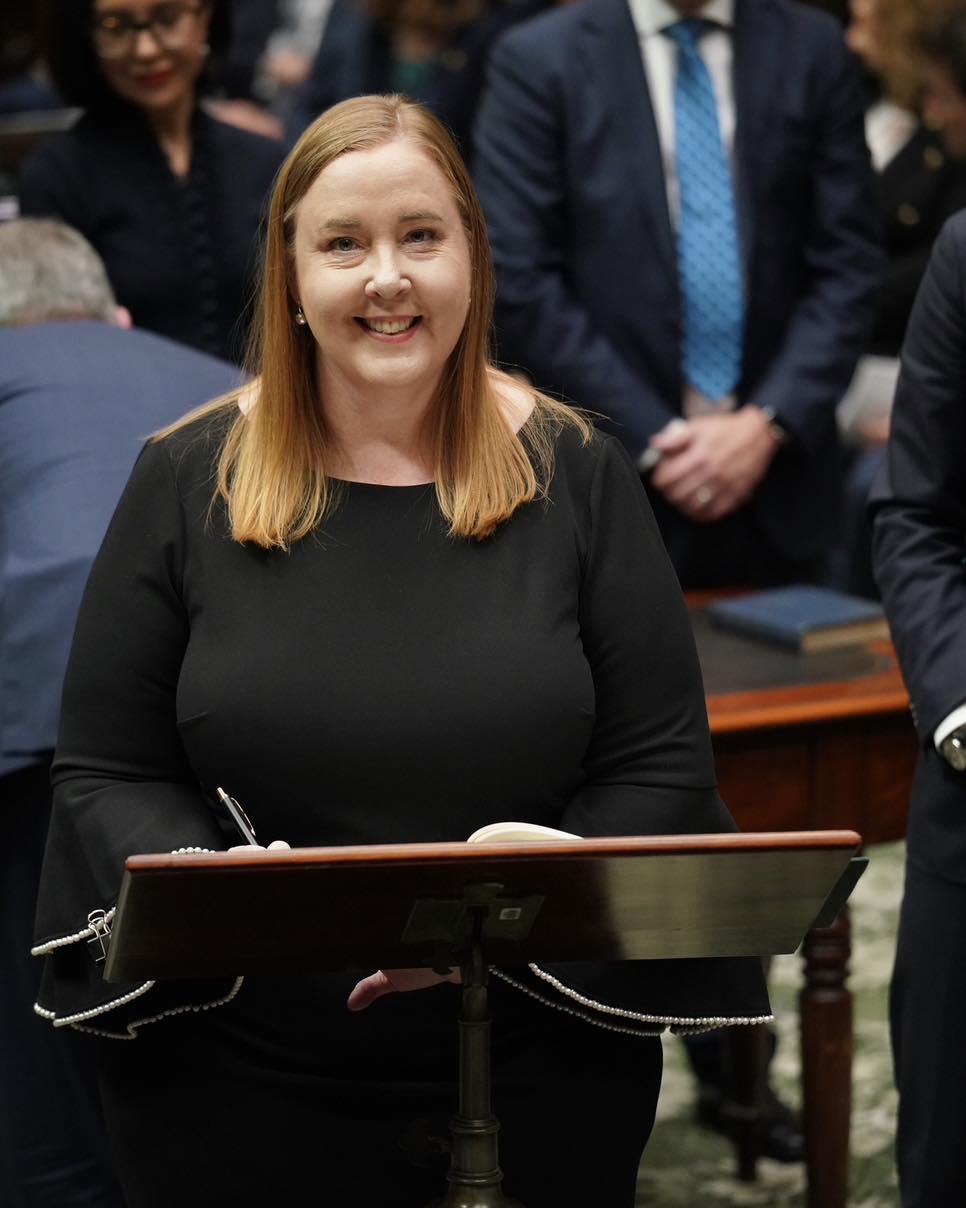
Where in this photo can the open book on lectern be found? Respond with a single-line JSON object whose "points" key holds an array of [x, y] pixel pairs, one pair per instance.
{"points": [[518, 832]]}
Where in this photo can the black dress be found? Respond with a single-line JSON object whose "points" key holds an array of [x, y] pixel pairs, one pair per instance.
{"points": [[180, 253], [380, 682]]}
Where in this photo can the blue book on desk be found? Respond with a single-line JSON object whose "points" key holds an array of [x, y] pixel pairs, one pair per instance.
{"points": [[801, 617]]}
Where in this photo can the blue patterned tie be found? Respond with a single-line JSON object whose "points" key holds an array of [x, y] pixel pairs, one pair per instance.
{"points": [[709, 264]]}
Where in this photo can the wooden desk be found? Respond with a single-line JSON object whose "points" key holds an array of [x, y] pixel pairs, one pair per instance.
{"points": [[813, 741]]}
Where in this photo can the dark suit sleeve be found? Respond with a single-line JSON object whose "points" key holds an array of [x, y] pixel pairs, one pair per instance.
{"points": [[919, 506], [842, 257], [519, 171]]}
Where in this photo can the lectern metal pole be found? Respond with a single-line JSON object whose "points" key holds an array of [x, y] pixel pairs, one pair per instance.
{"points": [[475, 1178]]}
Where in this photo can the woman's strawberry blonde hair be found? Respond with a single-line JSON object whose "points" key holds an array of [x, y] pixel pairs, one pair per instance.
{"points": [[270, 470]]}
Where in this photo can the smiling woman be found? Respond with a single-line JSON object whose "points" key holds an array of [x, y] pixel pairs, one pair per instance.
{"points": [[153, 56], [373, 207], [387, 594], [383, 276]]}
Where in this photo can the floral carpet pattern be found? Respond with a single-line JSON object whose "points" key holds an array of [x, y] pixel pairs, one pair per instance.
{"points": [[689, 1167]]}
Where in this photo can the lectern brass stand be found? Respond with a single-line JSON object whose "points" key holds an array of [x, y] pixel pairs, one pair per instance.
{"points": [[475, 1178], [449, 904]]}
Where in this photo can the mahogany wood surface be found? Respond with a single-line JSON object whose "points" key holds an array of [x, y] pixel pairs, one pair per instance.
{"points": [[813, 740], [445, 853], [342, 908], [827, 1076]]}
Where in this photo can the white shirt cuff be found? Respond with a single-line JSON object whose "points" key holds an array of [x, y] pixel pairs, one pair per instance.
{"points": [[950, 722]]}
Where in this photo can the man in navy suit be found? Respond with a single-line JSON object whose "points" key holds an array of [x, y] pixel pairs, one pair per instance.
{"points": [[919, 554], [79, 392], [584, 193], [619, 266]]}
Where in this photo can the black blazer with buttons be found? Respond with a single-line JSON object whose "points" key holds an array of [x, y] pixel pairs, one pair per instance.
{"points": [[180, 253], [919, 189]]}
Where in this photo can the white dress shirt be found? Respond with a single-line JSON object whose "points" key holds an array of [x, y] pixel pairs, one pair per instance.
{"points": [[887, 130], [950, 722]]}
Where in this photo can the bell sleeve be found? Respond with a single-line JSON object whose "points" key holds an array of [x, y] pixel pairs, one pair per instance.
{"points": [[122, 782], [649, 768]]}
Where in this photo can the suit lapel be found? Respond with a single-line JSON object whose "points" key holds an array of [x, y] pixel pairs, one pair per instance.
{"points": [[755, 68], [617, 71]]}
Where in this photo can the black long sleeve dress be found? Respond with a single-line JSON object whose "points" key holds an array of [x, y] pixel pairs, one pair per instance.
{"points": [[381, 682]]}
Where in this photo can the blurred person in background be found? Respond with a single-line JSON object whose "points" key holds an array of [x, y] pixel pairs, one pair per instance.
{"points": [[432, 51], [79, 391], [169, 196], [252, 24], [944, 78], [22, 87], [23, 90], [267, 60], [921, 181], [921, 178], [287, 55]]}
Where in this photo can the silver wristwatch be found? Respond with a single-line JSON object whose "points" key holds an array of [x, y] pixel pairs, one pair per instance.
{"points": [[953, 749]]}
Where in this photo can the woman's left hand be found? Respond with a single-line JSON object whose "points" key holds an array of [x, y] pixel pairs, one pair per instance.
{"points": [[391, 981]]}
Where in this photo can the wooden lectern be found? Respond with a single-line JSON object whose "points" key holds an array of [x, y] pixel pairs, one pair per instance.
{"points": [[472, 906]]}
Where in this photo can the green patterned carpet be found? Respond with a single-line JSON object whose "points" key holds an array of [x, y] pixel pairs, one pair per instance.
{"points": [[688, 1167]]}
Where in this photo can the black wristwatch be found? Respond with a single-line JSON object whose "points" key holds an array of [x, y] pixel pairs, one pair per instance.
{"points": [[953, 749]]}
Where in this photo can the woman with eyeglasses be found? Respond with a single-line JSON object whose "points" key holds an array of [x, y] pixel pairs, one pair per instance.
{"points": [[170, 197]]}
